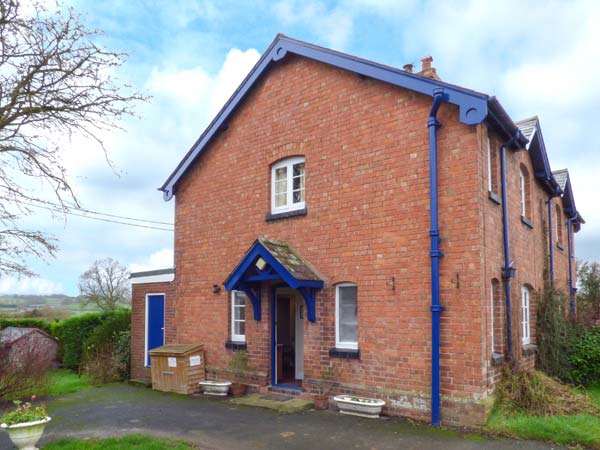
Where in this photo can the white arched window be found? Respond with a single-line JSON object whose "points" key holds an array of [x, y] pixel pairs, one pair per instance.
{"points": [[287, 185], [525, 314]]}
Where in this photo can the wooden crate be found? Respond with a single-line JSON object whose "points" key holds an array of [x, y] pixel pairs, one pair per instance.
{"points": [[178, 368]]}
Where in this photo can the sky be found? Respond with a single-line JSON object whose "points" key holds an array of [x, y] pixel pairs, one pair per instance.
{"points": [[538, 58]]}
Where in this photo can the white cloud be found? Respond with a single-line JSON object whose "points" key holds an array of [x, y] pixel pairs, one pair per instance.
{"points": [[162, 259], [36, 286], [333, 26]]}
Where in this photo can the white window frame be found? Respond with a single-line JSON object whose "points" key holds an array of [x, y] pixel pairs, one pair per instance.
{"points": [[290, 205], [493, 311], [338, 343], [489, 161], [523, 194], [525, 315], [237, 337]]}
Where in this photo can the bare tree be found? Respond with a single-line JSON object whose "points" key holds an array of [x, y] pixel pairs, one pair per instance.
{"points": [[55, 82], [105, 284]]}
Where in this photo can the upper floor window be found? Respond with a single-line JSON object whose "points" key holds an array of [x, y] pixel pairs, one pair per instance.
{"points": [[524, 187], [287, 185], [492, 160], [559, 227], [346, 322], [238, 316], [525, 315]]}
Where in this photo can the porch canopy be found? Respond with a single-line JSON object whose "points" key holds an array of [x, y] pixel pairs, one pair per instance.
{"points": [[273, 260]]}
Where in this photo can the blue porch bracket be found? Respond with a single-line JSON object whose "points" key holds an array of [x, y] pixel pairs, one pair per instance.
{"points": [[279, 263], [253, 293]]}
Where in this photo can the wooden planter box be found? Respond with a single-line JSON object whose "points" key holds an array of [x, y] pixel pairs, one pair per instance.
{"points": [[178, 368]]}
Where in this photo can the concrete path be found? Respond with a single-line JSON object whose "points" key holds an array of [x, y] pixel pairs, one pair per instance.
{"points": [[213, 424]]}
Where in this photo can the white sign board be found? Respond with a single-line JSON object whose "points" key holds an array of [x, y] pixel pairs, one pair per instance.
{"points": [[195, 360], [172, 362]]}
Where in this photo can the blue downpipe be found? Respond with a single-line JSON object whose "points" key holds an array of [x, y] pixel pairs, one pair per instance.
{"points": [[508, 270], [570, 251], [436, 308], [550, 242]]}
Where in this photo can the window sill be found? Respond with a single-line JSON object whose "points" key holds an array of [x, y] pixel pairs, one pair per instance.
{"points": [[497, 359], [527, 222], [344, 353], [560, 247], [494, 197], [529, 349], [285, 215], [235, 346]]}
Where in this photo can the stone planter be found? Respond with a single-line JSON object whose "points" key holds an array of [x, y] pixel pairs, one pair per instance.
{"points": [[25, 435], [359, 406], [215, 387]]}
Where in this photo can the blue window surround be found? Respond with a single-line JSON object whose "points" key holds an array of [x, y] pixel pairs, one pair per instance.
{"points": [[242, 279]]}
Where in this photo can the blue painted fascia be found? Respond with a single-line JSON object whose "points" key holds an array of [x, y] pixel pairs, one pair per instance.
{"points": [[473, 106], [541, 164]]}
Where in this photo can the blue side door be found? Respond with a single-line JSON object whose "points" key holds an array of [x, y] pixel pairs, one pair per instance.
{"points": [[155, 323]]}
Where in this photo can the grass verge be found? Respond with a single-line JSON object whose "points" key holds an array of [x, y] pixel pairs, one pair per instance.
{"points": [[583, 428], [58, 382], [132, 442]]}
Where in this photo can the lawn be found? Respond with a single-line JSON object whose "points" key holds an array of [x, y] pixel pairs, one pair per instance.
{"points": [[576, 429], [58, 382], [133, 442]]}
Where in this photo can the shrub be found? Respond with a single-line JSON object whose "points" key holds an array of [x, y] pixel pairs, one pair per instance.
{"points": [[23, 367], [556, 335], [72, 334], [105, 355], [585, 358], [41, 324]]}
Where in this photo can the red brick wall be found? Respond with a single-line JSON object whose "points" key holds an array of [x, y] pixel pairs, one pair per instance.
{"points": [[528, 247], [138, 323], [367, 194], [366, 150]]}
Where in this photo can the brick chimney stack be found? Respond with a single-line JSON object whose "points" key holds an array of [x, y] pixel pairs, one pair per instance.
{"points": [[427, 70]]}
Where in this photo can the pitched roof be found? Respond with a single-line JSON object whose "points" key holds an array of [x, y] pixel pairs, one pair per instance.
{"points": [[528, 127], [288, 258], [474, 107], [10, 335], [561, 176]]}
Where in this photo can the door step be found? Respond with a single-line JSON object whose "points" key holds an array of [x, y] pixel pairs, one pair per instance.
{"points": [[285, 390]]}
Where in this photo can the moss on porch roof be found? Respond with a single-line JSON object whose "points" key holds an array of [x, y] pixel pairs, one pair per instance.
{"points": [[288, 258]]}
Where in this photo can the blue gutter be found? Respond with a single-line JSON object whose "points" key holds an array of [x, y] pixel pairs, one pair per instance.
{"points": [[550, 241], [570, 251], [508, 271], [433, 124]]}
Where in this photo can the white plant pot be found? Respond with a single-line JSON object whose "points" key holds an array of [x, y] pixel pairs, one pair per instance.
{"points": [[359, 406], [215, 387], [26, 435]]}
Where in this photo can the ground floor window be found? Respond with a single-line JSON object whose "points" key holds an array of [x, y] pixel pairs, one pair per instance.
{"points": [[238, 316], [346, 307], [525, 302]]}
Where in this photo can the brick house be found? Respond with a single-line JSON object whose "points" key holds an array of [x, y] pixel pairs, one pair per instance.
{"points": [[338, 211]]}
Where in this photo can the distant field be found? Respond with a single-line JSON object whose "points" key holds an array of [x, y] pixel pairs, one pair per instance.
{"points": [[44, 305]]}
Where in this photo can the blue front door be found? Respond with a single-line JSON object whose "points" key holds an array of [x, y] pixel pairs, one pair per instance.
{"points": [[155, 323]]}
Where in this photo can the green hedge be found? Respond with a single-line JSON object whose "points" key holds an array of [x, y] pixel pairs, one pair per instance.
{"points": [[42, 324], [585, 358]]}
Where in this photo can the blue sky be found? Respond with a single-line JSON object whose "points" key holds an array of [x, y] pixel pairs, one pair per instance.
{"points": [[536, 57]]}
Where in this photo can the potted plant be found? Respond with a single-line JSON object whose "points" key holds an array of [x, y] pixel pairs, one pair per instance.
{"points": [[359, 406], [25, 425], [238, 367], [323, 387]]}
